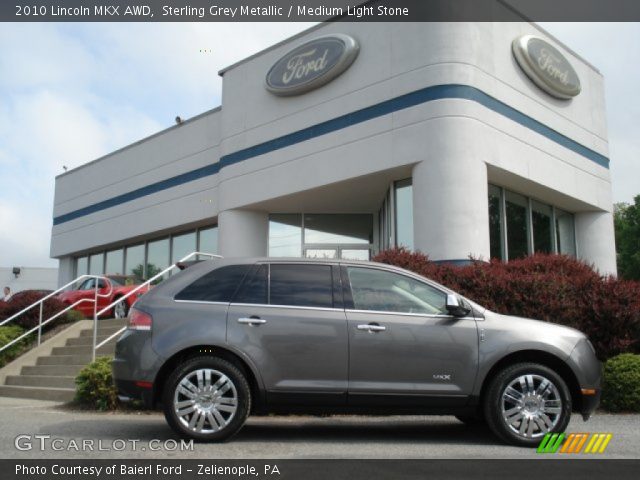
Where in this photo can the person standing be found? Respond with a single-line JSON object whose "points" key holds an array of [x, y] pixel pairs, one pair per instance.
{"points": [[7, 294]]}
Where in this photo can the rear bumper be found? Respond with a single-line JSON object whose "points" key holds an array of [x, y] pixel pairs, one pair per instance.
{"points": [[128, 391], [135, 366]]}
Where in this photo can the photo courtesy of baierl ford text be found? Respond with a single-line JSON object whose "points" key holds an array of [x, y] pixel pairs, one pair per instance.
{"points": [[321, 239]]}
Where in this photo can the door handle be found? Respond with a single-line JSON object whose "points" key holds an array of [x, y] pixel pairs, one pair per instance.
{"points": [[251, 321], [372, 328]]}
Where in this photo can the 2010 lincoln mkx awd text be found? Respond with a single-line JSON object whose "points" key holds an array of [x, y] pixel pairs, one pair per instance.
{"points": [[229, 337]]}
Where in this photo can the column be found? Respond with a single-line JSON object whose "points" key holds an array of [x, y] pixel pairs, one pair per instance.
{"points": [[595, 238], [450, 207], [243, 233]]}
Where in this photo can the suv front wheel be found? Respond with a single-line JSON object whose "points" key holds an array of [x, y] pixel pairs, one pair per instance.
{"points": [[526, 401], [207, 399]]}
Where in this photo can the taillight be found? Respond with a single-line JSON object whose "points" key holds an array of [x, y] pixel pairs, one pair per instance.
{"points": [[139, 320]]}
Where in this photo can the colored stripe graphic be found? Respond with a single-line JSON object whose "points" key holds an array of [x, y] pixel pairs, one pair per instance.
{"points": [[550, 443], [573, 443]]}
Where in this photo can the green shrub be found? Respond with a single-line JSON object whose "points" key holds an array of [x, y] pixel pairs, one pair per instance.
{"points": [[94, 385], [72, 316], [8, 333], [621, 386]]}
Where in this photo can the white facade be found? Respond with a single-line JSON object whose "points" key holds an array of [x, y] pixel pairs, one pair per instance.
{"points": [[28, 278], [473, 119]]}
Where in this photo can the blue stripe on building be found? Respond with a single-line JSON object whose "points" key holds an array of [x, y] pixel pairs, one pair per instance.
{"points": [[438, 92]]}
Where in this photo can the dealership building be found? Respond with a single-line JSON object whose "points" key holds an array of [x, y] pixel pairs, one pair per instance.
{"points": [[459, 140]]}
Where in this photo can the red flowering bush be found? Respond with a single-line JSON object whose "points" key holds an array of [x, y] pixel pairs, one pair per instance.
{"points": [[554, 288], [30, 318]]}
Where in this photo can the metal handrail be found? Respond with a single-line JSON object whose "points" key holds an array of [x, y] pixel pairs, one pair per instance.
{"points": [[41, 323], [139, 287], [42, 300]]}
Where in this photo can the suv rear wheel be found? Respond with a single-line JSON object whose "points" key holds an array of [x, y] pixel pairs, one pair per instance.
{"points": [[526, 401], [207, 399]]}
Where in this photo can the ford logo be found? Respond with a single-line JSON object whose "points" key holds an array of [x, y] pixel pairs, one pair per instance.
{"points": [[546, 66], [312, 64]]}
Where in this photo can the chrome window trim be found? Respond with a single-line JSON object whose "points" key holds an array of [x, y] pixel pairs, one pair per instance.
{"points": [[206, 302], [407, 314]]}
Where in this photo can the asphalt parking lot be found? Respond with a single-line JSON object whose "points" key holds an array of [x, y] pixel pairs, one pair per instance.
{"points": [[143, 435]]}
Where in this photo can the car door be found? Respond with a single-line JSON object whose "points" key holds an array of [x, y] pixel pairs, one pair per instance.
{"points": [[288, 318], [404, 347]]}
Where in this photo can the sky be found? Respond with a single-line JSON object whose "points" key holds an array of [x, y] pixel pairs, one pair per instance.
{"points": [[70, 93]]}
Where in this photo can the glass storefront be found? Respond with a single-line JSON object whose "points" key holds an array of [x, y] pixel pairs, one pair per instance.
{"points": [[285, 235], [183, 245], [321, 235], [114, 263], [134, 264], [96, 264], [520, 226], [144, 260], [404, 213], [395, 217]]}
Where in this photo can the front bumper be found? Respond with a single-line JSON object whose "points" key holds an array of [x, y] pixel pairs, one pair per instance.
{"points": [[589, 404], [588, 371]]}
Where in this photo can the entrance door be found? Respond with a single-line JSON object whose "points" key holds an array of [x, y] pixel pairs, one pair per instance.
{"points": [[332, 252]]}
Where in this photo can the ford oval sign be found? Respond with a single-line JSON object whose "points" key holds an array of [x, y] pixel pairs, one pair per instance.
{"points": [[312, 64], [546, 66]]}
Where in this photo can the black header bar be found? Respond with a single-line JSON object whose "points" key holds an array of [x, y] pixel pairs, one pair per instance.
{"points": [[319, 10]]}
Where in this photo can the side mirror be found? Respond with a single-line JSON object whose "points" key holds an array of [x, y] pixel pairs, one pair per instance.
{"points": [[456, 307]]}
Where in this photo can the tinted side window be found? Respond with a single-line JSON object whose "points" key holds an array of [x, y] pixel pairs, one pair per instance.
{"points": [[301, 285], [218, 285], [384, 291], [254, 288]]}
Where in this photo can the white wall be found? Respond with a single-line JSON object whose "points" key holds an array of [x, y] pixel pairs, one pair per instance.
{"points": [[30, 278]]}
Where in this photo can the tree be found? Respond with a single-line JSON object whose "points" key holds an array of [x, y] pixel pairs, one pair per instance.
{"points": [[627, 226]]}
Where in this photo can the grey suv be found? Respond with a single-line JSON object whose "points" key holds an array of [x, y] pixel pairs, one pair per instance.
{"points": [[226, 338]]}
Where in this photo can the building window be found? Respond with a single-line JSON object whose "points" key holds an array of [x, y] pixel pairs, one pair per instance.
{"points": [[82, 266], [285, 235], [520, 226], [395, 217], [114, 263], [517, 225], [565, 233], [404, 213], [182, 245], [96, 264], [495, 222], [157, 258], [328, 236], [145, 260], [541, 222], [134, 264], [208, 240]]}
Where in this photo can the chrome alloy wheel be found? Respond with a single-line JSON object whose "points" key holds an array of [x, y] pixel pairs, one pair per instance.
{"points": [[531, 406], [205, 400], [120, 310]]}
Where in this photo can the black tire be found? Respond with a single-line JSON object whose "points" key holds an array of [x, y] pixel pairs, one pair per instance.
{"points": [[233, 374], [493, 403]]}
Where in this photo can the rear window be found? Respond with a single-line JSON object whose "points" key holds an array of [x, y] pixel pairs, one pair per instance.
{"points": [[301, 285], [218, 285], [254, 288]]}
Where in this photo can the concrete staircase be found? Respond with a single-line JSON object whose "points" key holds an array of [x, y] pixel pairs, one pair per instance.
{"points": [[48, 372]]}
